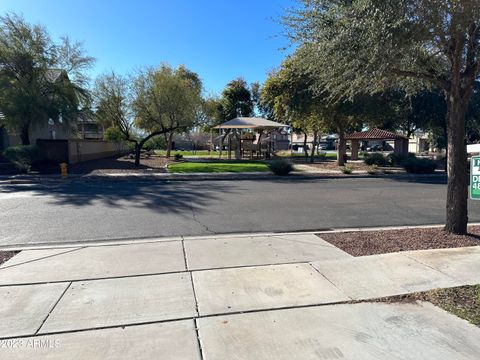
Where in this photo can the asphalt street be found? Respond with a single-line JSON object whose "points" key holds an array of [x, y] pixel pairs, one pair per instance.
{"points": [[94, 210]]}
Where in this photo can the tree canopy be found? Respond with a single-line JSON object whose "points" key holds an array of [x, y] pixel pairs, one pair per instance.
{"points": [[40, 79], [157, 101], [372, 45]]}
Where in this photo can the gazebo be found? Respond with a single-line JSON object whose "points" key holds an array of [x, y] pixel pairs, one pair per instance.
{"points": [[400, 141], [246, 123]]}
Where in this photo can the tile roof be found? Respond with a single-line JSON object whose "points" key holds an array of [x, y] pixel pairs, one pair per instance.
{"points": [[374, 134]]}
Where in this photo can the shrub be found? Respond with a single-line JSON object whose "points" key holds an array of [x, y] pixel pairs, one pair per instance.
{"points": [[280, 167], [23, 157], [178, 157], [113, 134], [346, 169], [396, 159], [376, 159], [155, 143], [419, 166]]}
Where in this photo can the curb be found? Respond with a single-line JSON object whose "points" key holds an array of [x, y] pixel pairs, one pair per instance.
{"points": [[26, 179], [144, 240]]}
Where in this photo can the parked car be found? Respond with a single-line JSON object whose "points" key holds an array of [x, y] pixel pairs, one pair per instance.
{"points": [[374, 148]]}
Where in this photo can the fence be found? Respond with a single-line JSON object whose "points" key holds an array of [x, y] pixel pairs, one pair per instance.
{"points": [[78, 150]]}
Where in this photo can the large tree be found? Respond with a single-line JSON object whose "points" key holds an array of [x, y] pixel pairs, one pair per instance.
{"points": [[236, 100], [167, 100], [158, 101], [370, 45], [113, 100], [292, 93], [288, 97], [39, 79]]}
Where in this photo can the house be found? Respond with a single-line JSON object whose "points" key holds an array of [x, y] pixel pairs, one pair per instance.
{"points": [[418, 142], [85, 127]]}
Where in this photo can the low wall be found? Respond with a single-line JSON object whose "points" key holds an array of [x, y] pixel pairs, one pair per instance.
{"points": [[78, 150], [84, 150]]}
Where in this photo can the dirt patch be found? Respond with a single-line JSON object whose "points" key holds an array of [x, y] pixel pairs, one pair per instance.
{"points": [[462, 301], [6, 255], [356, 166], [362, 243], [123, 164]]}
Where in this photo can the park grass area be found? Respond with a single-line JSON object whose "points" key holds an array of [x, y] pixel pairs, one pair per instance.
{"points": [[198, 153], [218, 167]]}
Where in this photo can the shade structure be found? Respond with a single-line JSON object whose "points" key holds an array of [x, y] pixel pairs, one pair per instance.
{"points": [[250, 123], [374, 134], [400, 145]]}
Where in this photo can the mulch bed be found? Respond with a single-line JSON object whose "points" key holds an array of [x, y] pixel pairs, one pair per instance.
{"points": [[6, 255], [123, 164], [364, 243]]}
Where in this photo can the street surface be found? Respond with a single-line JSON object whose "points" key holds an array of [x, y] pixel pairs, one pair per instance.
{"points": [[81, 210]]}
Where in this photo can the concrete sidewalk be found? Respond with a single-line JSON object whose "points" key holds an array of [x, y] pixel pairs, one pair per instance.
{"points": [[289, 296]]}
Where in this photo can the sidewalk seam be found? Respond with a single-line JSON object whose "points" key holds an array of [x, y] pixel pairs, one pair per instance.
{"points": [[331, 282], [199, 340], [428, 266], [149, 274], [42, 258], [53, 308]]}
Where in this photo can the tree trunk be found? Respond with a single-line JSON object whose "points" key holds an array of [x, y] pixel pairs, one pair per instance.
{"points": [[259, 144], [138, 150], [305, 152], [341, 150], [314, 146], [25, 135], [169, 144], [457, 189]]}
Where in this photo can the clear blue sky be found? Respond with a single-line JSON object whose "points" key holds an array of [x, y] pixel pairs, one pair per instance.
{"points": [[218, 39]]}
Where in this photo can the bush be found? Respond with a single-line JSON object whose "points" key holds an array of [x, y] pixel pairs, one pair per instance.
{"points": [[113, 134], [395, 159], [280, 167], [23, 157], [155, 143], [419, 166], [346, 169], [376, 159], [178, 157]]}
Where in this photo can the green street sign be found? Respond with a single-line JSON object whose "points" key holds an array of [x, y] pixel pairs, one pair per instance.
{"points": [[475, 178]]}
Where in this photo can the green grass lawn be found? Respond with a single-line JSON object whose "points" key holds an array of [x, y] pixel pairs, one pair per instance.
{"points": [[198, 153], [215, 167]]}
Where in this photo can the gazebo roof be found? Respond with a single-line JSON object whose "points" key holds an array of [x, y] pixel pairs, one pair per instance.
{"points": [[374, 134], [249, 123]]}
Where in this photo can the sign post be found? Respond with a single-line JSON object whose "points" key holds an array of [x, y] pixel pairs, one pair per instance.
{"points": [[475, 178]]}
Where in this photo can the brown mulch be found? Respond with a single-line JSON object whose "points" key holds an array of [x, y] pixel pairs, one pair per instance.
{"points": [[364, 243], [123, 164], [6, 255], [332, 165]]}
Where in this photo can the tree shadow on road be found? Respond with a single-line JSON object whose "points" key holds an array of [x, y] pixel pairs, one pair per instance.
{"points": [[163, 197]]}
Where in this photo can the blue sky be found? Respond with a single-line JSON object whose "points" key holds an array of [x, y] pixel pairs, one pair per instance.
{"points": [[220, 40]]}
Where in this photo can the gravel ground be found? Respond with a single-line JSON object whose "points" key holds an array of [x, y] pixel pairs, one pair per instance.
{"points": [[5, 255], [364, 243]]}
